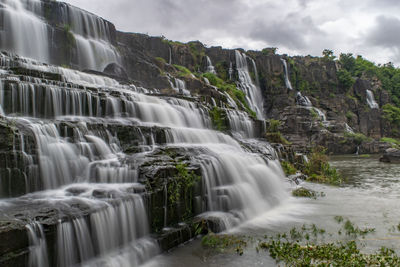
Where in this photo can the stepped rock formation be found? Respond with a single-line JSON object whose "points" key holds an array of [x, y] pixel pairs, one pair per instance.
{"points": [[115, 146]]}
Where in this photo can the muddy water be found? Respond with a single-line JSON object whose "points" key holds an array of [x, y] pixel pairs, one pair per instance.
{"points": [[370, 198]]}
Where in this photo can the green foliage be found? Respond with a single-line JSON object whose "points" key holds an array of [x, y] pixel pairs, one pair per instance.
{"points": [[269, 51], [319, 170], [224, 243], [314, 114], [348, 62], [222, 70], [296, 249], [218, 118], [237, 95], [183, 71], [304, 192], [358, 138], [394, 142], [274, 125], [288, 168], [350, 115], [273, 134], [392, 114], [328, 54], [345, 79], [181, 187], [161, 60], [69, 35]]}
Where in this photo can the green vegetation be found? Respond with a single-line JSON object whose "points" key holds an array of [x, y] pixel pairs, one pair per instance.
{"points": [[318, 169], [304, 192], [358, 138], [224, 243], [296, 249], [288, 168], [269, 51], [181, 187], [394, 142], [69, 35], [237, 95], [386, 73], [392, 114], [350, 115], [183, 72], [345, 79], [218, 118], [328, 54], [273, 134], [161, 60]]}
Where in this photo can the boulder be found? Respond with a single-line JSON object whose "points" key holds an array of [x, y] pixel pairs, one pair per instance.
{"points": [[391, 155]]}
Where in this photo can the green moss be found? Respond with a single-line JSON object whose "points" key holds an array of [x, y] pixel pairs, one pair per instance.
{"points": [[350, 115], [181, 188], [183, 72], [304, 192], [288, 168], [218, 118], [394, 142], [69, 35], [237, 95]]}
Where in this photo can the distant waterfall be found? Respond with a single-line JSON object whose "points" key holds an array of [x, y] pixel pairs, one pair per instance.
{"points": [[210, 68], [371, 100], [253, 93], [287, 80]]}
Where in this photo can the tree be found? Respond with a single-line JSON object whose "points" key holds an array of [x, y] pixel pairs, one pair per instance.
{"points": [[348, 62], [345, 79], [328, 54]]}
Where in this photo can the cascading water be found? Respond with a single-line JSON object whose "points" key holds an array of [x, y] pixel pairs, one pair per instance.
{"points": [[37, 245], [22, 30], [287, 80], [371, 100], [25, 32], [210, 68], [81, 160], [253, 93]]}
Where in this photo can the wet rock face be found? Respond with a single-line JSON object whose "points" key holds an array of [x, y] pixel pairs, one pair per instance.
{"points": [[391, 155]]}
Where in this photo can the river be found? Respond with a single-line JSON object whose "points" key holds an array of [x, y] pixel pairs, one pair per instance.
{"points": [[369, 198]]}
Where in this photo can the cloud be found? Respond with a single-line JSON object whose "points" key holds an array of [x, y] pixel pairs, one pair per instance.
{"points": [[294, 26]]}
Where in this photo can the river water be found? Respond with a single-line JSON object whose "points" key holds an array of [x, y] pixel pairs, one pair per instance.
{"points": [[369, 198]]}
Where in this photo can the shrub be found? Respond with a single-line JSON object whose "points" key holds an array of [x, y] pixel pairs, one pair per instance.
{"points": [[288, 168], [318, 169]]}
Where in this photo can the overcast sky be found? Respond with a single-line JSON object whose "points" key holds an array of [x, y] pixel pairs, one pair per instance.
{"points": [[297, 27]]}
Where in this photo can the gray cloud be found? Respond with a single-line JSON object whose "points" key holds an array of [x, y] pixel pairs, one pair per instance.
{"points": [[294, 26]]}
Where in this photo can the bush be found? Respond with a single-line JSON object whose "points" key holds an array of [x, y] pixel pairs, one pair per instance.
{"points": [[392, 114], [318, 169], [345, 79], [183, 71]]}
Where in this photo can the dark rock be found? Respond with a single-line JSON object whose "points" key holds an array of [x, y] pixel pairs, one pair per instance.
{"points": [[391, 155], [116, 70]]}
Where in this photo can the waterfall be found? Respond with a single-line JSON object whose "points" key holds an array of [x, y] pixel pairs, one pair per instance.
{"points": [[253, 93], [287, 80], [230, 71], [210, 68], [305, 102], [22, 30], [85, 139], [25, 33], [371, 100], [37, 245]]}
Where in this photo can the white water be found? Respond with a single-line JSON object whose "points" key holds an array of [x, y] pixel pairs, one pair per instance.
{"points": [[305, 101], [253, 93], [23, 32], [37, 245], [210, 68], [287, 80], [26, 33], [81, 161], [371, 100]]}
